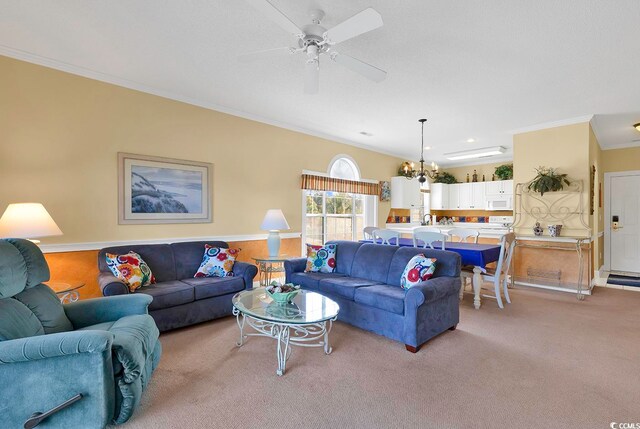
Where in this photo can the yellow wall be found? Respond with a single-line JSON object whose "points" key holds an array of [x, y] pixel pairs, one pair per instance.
{"points": [[597, 219], [565, 148], [621, 159], [460, 173], [60, 135]]}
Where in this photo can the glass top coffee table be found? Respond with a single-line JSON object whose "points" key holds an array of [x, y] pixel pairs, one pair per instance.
{"points": [[305, 321]]}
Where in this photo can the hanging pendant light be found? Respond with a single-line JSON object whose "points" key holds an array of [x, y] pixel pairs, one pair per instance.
{"points": [[422, 175]]}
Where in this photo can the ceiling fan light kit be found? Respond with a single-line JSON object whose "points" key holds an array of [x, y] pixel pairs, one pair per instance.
{"points": [[315, 40], [475, 153], [637, 126]]}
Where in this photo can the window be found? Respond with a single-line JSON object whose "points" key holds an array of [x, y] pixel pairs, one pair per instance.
{"points": [[331, 215]]}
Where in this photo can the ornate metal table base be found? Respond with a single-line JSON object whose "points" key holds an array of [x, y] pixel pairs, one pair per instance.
{"points": [[268, 270], [68, 297], [287, 335]]}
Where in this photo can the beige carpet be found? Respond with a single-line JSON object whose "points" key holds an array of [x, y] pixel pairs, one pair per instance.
{"points": [[547, 361]]}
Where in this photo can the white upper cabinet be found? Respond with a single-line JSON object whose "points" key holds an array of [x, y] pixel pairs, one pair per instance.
{"points": [[478, 196], [439, 196], [454, 196], [500, 187], [405, 193]]}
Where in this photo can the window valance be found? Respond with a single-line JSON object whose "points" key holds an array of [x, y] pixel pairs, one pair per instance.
{"points": [[322, 183]]}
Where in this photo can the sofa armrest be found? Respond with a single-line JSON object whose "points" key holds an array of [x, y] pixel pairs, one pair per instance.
{"points": [[108, 309], [296, 265], [54, 345], [246, 271], [111, 285], [431, 290]]}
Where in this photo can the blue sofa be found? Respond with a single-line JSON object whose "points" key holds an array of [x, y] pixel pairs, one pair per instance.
{"points": [[366, 285], [179, 299], [101, 352]]}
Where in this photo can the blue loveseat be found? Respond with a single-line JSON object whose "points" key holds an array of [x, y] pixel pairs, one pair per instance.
{"points": [[101, 352], [366, 285], [179, 299]]}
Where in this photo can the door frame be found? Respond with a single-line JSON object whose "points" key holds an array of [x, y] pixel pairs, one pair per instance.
{"points": [[607, 212]]}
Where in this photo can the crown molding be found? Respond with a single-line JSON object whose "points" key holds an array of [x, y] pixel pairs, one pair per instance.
{"points": [[137, 86], [81, 247], [553, 124]]}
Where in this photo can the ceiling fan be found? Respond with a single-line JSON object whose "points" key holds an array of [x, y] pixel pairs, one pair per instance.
{"points": [[315, 40]]}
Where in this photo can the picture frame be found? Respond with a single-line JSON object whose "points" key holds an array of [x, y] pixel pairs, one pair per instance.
{"points": [[385, 191], [157, 190]]}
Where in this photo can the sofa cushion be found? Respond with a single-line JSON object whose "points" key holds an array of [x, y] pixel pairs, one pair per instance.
{"points": [[207, 287], [448, 263], [159, 257], [37, 268], [13, 270], [188, 256], [344, 255], [17, 320], [419, 269], [344, 286], [169, 294], [321, 259], [372, 262], [46, 305], [310, 281], [384, 297], [131, 269], [217, 262]]}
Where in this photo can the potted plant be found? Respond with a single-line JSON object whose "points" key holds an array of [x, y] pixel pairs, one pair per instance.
{"points": [[444, 177], [548, 180], [505, 172]]}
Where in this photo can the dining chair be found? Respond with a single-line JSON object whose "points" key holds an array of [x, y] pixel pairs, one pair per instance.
{"points": [[500, 275], [465, 235], [428, 238], [367, 232], [385, 236], [427, 228]]}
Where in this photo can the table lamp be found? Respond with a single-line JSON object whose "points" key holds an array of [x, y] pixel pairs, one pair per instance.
{"points": [[27, 220], [273, 222]]}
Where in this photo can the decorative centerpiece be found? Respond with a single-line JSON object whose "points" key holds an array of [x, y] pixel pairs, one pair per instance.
{"points": [[444, 177], [548, 180], [282, 293], [554, 230]]}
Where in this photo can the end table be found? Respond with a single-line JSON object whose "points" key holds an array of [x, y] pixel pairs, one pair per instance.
{"points": [[268, 265], [67, 292]]}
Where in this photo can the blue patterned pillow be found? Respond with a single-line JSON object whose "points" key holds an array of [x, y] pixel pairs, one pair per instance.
{"points": [[418, 269], [217, 262], [321, 259]]}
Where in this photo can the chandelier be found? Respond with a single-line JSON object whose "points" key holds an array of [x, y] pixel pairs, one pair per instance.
{"points": [[423, 174]]}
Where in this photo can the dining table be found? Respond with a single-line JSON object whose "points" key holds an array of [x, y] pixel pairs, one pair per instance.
{"points": [[478, 255]]}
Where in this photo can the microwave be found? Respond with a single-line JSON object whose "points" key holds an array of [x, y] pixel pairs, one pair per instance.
{"points": [[500, 202]]}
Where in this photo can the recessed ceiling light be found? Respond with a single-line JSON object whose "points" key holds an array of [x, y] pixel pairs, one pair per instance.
{"points": [[471, 140], [364, 133], [427, 148], [476, 153], [637, 126]]}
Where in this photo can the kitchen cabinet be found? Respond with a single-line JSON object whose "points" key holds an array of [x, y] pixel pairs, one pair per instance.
{"points": [[439, 196], [478, 199], [405, 193], [500, 187], [454, 196]]}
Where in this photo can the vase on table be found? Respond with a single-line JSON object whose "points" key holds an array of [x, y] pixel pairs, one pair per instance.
{"points": [[554, 230]]}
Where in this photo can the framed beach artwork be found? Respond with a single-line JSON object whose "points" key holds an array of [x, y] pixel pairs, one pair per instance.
{"points": [[163, 190]]}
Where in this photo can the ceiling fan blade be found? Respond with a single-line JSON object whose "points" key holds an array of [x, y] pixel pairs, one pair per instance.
{"points": [[267, 53], [311, 76], [367, 20], [271, 12], [366, 70]]}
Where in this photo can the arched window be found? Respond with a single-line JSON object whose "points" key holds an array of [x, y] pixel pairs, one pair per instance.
{"points": [[344, 167], [329, 215]]}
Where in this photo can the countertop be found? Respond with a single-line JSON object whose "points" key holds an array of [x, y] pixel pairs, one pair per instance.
{"points": [[487, 230]]}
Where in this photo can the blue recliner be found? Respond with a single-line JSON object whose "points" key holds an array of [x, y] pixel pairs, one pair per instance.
{"points": [[78, 365]]}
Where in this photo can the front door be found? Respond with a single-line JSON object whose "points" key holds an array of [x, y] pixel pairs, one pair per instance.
{"points": [[625, 210]]}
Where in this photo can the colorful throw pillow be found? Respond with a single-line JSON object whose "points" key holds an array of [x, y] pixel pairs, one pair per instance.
{"points": [[321, 259], [217, 262], [131, 269], [419, 269]]}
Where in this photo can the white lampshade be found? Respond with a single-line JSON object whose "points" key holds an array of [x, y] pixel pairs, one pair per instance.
{"points": [[274, 221], [27, 220]]}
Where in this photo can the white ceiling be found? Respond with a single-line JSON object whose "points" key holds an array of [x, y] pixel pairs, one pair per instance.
{"points": [[475, 69]]}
